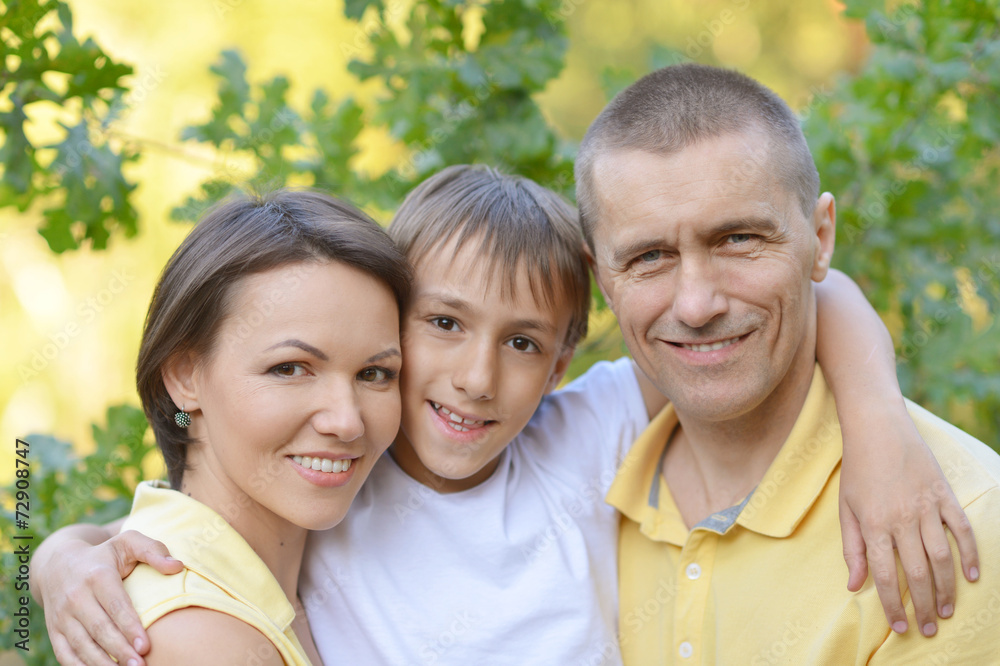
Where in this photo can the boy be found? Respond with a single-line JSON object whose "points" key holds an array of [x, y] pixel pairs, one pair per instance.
{"points": [[484, 531]]}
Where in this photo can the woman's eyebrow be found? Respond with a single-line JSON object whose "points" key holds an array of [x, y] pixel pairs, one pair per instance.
{"points": [[304, 346]]}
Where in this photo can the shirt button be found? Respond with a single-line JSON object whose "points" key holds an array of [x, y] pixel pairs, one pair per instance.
{"points": [[693, 571], [685, 650]]}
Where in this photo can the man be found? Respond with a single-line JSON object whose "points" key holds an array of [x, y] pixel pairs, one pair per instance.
{"points": [[701, 206]]}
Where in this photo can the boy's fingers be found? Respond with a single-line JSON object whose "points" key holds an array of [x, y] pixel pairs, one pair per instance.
{"points": [[123, 637], [956, 520], [854, 548], [882, 565], [84, 649], [918, 578], [942, 565], [131, 548]]}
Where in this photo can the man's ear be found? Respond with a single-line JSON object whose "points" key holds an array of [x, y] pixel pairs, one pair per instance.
{"points": [[180, 376], [559, 371], [592, 263], [825, 227]]}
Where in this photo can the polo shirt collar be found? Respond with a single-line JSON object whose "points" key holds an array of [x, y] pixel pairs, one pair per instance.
{"points": [[209, 546], [774, 508]]}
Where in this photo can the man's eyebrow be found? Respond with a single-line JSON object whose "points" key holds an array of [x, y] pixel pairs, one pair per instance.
{"points": [[304, 346], [383, 355], [625, 253], [764, 225]]}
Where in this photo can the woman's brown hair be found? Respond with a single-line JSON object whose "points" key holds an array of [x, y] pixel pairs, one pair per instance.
{"points": [[238, 238]]}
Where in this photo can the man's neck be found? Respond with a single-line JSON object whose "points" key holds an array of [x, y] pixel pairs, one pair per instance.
{"points": [[711, 466]]}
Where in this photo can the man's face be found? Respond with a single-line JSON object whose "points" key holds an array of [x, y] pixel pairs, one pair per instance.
{"points": [[707, 261]]}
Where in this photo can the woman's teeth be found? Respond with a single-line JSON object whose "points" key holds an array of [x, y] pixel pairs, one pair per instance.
{"points": [[323, 464], [455, 421]]}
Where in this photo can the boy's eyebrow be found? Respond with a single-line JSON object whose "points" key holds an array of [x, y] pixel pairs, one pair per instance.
{"points": [[304, 346], [464, 306]]}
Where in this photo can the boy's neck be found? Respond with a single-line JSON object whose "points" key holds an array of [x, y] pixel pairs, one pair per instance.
{"points": [[408, 460]]}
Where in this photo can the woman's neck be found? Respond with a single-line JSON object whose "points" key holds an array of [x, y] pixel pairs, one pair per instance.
{"points": [[278, 542]]}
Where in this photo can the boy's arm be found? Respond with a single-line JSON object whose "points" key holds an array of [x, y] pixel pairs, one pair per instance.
{"points": [[76, 576], [893, 493]]}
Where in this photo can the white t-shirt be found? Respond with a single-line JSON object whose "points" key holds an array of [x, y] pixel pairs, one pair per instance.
{"points": [[522, 569]]}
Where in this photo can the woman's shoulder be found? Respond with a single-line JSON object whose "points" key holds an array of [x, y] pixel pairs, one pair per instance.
{"points": [[199, 636]]}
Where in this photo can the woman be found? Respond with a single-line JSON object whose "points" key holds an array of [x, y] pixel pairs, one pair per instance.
{"points": [[268, 370]]}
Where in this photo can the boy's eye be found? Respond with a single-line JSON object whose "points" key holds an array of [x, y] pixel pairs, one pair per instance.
{"points": [[523, 344], [376, 374], [445, 323]]}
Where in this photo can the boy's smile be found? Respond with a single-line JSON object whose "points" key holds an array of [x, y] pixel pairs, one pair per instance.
{"points": [[476, 364]]}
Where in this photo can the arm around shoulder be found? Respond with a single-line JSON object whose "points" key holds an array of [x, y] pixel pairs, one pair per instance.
{"points": [[970, 636], [202, 637]]}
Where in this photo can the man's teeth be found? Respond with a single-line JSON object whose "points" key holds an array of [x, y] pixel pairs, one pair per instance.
{"points": [[456, 421], [323, 464], [710, 347]]}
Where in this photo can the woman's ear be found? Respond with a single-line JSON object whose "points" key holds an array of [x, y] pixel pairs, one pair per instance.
{"points": [[180, 378]]}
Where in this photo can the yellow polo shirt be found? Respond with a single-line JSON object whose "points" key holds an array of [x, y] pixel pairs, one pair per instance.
{"points": [[765, 582], [221, 570]]}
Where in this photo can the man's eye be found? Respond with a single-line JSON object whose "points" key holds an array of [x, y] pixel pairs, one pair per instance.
{"points": [[445, 323], [739, 238], [650, 256], [522, 344]]}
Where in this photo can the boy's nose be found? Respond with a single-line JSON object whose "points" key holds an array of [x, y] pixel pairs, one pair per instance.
{"points": [[476, 375]]}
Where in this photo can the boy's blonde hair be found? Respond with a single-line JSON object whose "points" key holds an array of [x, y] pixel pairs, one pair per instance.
{"points": [[515, 221]]}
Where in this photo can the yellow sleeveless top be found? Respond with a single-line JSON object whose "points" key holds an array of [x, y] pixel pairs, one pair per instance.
{"points": [[221, 570]]}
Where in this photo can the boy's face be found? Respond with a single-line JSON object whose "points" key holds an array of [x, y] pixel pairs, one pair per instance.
{"points": [[475, 367]]}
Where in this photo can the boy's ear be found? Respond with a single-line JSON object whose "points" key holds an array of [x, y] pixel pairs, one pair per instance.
{"points": [[180, 378], [559, 371]]}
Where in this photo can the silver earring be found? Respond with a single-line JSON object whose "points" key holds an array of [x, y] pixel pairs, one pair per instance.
{"points": [[182, 419]]}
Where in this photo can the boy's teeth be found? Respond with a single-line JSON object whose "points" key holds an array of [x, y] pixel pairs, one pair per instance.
{"points": [[711, 347], [323, 464], [455, 418]]}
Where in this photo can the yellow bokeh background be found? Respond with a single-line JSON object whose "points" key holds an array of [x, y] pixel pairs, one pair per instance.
{"points": [[71, 323]]}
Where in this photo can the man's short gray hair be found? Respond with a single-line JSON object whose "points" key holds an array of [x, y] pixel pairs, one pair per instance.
{"points": [[672, 108]]}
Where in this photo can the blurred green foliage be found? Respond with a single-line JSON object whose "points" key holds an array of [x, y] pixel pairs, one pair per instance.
{"points": [[909, 145], [79, 178]]}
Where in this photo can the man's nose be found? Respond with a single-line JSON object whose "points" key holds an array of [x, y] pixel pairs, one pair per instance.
{"points": [[698, 297]]}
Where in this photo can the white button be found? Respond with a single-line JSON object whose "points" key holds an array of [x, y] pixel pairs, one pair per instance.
{"points": [[693, 571], [685, 650]]}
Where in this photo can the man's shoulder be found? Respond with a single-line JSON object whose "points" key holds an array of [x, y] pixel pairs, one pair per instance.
{"points": [[971, 467]]}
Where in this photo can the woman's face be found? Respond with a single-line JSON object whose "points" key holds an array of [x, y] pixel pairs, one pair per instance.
{"points": [[301, 384]]}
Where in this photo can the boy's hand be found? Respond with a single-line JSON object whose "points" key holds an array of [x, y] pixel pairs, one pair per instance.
{"points": [[87, 611], [899, 498]]}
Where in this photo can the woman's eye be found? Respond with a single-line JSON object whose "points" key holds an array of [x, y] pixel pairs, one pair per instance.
{"points": [[445, 323], [375, 374], [523, 344], [286, 369]]}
